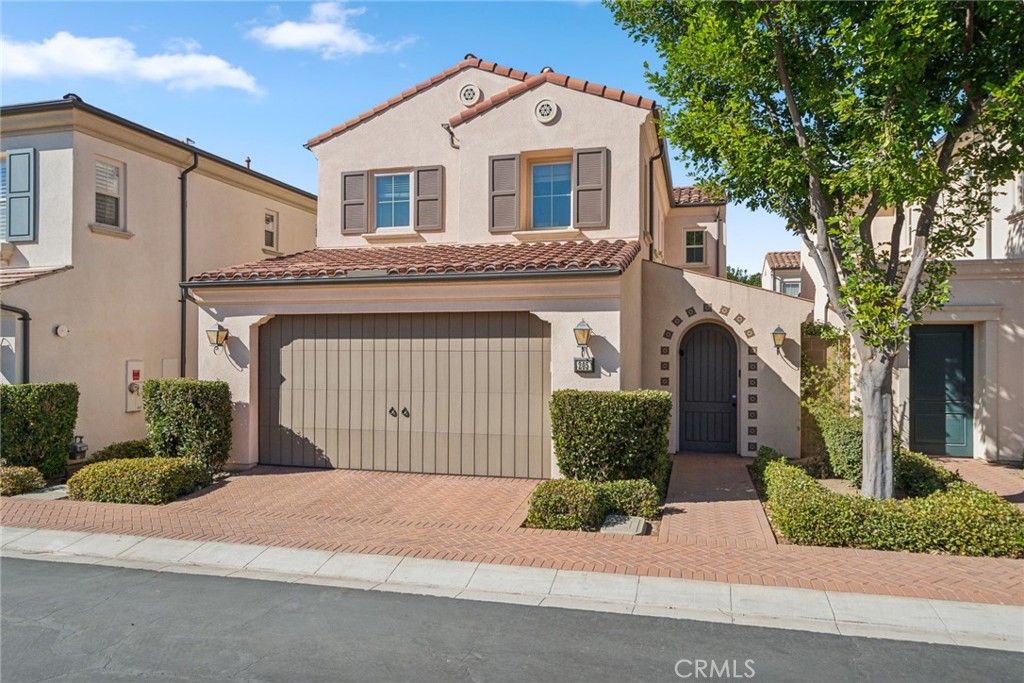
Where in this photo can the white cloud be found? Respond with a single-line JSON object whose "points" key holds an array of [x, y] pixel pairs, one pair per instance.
{"points": [[327, 30], [182, 45], [115, 59]]}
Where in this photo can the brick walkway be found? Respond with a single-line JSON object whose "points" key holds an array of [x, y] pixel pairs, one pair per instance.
{"points": [[714, 530], [1002, 478]]}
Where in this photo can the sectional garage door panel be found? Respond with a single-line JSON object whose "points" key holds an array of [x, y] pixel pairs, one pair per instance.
{"points": [[448, 393]]}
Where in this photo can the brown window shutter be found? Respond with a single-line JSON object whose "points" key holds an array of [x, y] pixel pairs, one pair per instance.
{"points": [[429, 202], [590, 187], [504, 193], [354, 188]]}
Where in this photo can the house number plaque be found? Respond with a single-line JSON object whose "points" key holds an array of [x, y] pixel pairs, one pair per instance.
{"points": [[584, 365]]}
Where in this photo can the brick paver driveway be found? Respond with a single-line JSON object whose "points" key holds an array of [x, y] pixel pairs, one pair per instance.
{"points": [[714, 529]]}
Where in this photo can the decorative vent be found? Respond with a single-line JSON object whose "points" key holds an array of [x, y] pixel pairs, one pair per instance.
{"points": [[546, 111], [469, 94]]}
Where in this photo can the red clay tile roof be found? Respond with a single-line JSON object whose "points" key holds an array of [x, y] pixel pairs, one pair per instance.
{"points": [[468, 63], [683, 196], [558, 79], [433, 259], [10, 277], [783, 260]]}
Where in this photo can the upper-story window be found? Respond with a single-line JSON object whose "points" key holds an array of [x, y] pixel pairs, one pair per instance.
{"points": [[393, 199], [552, 195], [790, 286], [695, 246], [17, 195], [270, 230], [110, 193]]}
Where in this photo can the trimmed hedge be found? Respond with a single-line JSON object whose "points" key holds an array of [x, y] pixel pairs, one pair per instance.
{"points": [[143, 481], [123, 450], [960, 520], [37, 423], [611, 435], [915, 475], [17, 480], [189, 418], [844, 443], [573, 505]]}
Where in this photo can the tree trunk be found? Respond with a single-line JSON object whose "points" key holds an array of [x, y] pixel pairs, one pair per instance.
{"points": [[876, 402]]}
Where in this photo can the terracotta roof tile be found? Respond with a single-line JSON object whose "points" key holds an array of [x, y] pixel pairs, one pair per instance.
{"points": [[434, 259], [532, 82], [783, 260], [10, 277], [683, 196]]}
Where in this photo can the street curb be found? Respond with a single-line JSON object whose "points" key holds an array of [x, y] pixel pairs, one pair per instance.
{"points": [[997, 627]]}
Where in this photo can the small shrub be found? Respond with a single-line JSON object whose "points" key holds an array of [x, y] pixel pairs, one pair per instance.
{"points": [[634, 497], [844, 443], [123, 450], [189, 418], [143, 481], [17, 480], [611, 435], [915, 475], [765, 455], [565, 504], [37, 423]]}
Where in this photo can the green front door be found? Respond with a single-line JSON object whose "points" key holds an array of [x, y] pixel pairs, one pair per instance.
{"points": [[942, 389]]}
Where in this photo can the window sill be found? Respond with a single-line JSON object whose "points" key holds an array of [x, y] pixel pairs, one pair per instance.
{"points": [[546, 234], [393, 236], [101, 229], [272, 252]]}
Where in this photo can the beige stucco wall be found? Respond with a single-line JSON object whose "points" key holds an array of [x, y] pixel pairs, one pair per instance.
{"points": [[750, 314], [562, 302], [120, 299], [711, 219]]}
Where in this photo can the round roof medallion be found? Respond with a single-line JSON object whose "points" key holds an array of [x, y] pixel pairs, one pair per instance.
{"points": [[469, 94], [546, 111]]}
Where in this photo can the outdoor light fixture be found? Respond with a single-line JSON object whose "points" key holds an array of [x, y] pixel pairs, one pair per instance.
{"points": [[779, 337], [218, 336], [585, 363]]}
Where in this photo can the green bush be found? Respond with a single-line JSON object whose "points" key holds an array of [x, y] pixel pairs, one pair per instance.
{"points": [[565, 504], [765, 455], [189, 418], [844, 443], [634, 497], [123, 450], [143, 481], [961, 519], [915, 475], [37, 423], [610, 435], [17, 480]]}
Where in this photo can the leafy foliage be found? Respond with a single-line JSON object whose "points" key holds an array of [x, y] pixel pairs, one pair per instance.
{"points": [[37, 423], [844, 443], [609, 435], [142, 481], [574, 505], [124, 449], [17, 480], [634, 497], [189, 418], [741, 275]]}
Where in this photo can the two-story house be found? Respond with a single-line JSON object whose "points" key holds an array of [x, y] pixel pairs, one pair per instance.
{"points": [[102, 219], [959, 385], [486, 237]]}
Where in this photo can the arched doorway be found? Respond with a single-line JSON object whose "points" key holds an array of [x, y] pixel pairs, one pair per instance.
{"points": [[707, 390]]}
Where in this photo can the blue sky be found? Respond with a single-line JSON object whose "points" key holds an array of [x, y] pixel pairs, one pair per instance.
{"points": [[258, 79]]}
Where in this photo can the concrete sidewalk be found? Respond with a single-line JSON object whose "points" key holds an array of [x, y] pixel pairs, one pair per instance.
{"points": [[997, 627]]}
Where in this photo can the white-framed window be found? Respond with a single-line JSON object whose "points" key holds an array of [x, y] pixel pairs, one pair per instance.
{"points": [[790, 286], [110, 193], [695, 246], [270, 230], [393, 201], [551, 195]]}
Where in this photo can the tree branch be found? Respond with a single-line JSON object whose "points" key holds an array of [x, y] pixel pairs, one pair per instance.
{"points": [[894, 249]]}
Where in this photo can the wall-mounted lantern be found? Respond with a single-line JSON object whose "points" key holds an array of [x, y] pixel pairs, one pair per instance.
{"points": [[218, 336], [779, 338], [585, 363]]}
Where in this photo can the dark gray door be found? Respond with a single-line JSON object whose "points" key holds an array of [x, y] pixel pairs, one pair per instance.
{"points": [[942, 389], [707, 390], [446, 393]]}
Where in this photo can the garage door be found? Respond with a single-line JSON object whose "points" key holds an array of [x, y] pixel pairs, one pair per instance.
{"points": [[449, 393]]}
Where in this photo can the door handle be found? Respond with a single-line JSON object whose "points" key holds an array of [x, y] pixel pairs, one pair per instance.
{"points": [[392, 412], [734, 400], [405, 412]]}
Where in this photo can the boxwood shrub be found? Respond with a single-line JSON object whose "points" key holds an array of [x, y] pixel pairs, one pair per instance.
{"points": [[844, 443], [143, 481], [961, 519], [189, 418], [37, 422], [610, 435], [123, 449], [571, 504], [634, 497], [17, 480]]}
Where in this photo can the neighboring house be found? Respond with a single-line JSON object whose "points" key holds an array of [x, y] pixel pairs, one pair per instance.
{"points": [[782, 273], [93, 229], [959, 387], [466, 229]]}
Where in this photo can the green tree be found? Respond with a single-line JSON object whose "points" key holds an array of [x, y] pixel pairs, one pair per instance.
{"points": [[741, 275], [838, 116]]}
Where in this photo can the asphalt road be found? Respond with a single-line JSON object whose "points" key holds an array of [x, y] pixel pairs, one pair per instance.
{"points": [[72, 622]]}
